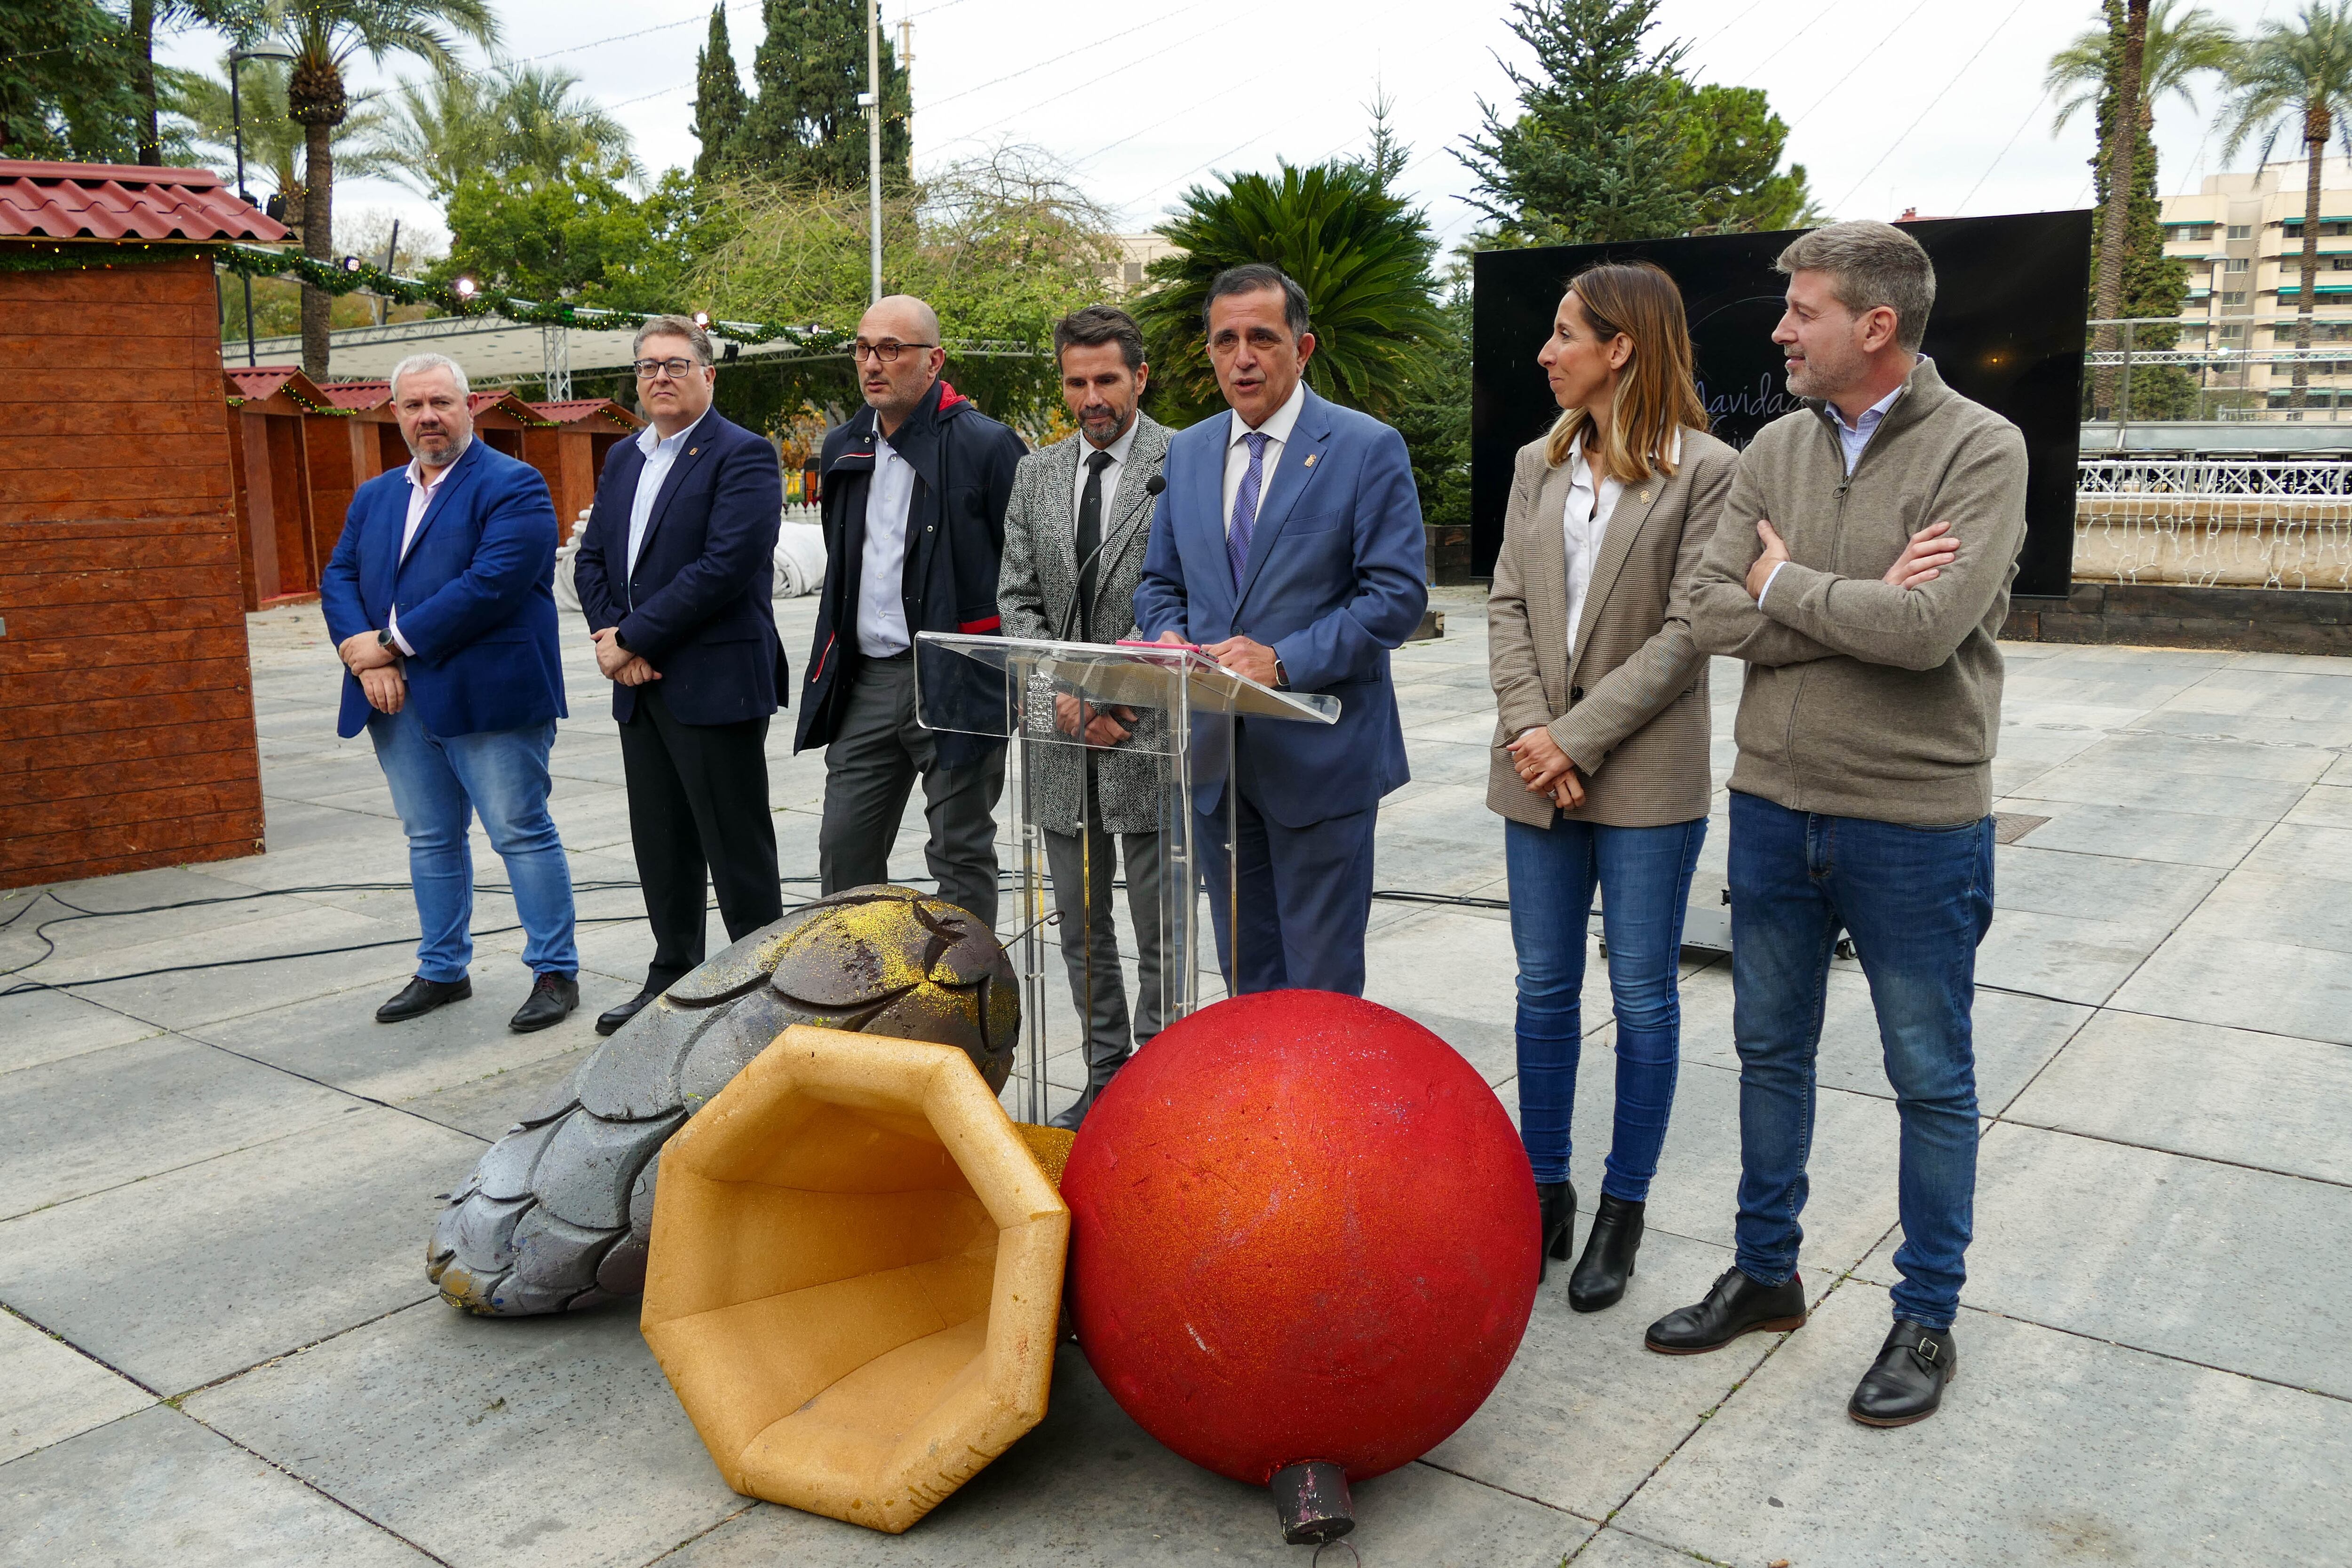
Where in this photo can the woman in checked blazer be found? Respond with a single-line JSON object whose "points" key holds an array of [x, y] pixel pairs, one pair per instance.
{"points": [[1601, 744]]}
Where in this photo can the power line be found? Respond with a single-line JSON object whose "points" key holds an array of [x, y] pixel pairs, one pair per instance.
{"points": [[1947, 86], [1865, 55], [2004, 150], [1190, 106], [1056, 96], [1749, 74], [1057, 59]]}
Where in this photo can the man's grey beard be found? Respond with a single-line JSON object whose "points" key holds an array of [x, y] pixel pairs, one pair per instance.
{"points": [[457, 451], [1118, 430]]}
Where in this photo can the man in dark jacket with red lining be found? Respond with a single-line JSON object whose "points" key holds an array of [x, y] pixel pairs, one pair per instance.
{"points": [[915, 491]]}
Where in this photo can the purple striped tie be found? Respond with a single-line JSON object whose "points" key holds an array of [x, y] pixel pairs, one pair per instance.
{"points": [[1238, 537]]}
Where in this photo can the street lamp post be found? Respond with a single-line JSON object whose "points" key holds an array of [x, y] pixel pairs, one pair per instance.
{"points": [[873, 137], [236, 133]]}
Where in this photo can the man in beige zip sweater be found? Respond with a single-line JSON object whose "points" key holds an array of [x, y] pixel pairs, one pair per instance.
{"points": [[1862, 570]]}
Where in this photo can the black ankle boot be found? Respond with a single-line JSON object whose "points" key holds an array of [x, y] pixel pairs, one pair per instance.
{"points": [[1557, 1203], [1608, 1261]]}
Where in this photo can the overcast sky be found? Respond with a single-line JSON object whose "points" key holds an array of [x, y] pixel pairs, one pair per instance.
{"points": [[1892, 103]]}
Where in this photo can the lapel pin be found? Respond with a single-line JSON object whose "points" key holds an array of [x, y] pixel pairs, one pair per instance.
{"points": [[690, 451], [1645, 495], [1311, 460]]}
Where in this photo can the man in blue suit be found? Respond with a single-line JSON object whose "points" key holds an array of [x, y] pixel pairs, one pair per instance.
{"points": [[675, 571], [439, 597], [1289, 547]]}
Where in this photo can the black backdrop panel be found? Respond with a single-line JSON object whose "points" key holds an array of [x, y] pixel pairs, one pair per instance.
{"points": [[2008, 331]]}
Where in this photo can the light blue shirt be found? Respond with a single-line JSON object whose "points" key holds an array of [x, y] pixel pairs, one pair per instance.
{"points": [[660, 456], [882, 565]]}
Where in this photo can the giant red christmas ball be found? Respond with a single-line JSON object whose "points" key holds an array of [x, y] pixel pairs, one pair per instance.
{"points": [[1301, 1228]]}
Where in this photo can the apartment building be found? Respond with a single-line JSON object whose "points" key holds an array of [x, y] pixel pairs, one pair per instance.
{"points": [[2241, 235]]}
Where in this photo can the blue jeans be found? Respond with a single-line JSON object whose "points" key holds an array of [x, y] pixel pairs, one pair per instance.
{"points": [[1644, 875], [1917, 901], [438, 782]]}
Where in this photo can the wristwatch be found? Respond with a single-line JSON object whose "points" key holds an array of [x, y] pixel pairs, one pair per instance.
{"points": [[1281, 676], [383, 639]]}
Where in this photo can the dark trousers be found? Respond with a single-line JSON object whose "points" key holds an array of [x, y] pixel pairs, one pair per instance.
{"points": [[698, 807], [870, 767], [1305, 896], [1084, 870], [1917, 901]]}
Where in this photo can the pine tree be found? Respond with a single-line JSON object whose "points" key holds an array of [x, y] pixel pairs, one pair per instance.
{"points": [[805, 127], [1733, 143], [720, 101], [1595, 149]]}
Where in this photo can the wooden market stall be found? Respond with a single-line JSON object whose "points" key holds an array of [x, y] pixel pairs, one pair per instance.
{"points": [[290, 450], [571, 452], [126, 701]]}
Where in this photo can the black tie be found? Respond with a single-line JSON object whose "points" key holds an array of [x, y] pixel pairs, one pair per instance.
{"points": [[1090, 540]]}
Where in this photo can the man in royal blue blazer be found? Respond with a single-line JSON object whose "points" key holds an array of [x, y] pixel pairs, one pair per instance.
{"points": [[439, 597], [676, 570], [1289, 546]]}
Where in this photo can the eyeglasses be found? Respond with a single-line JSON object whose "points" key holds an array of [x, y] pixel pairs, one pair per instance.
{"points": [[886, 351], [676, 369]]}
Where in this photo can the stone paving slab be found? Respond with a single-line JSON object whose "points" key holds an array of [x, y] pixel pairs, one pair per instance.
{"points": [[39, 1026], [2051, 1448], [335, 1040], [1088, 1485], [2138, 833], [50, 1391], [208, 1270], [2269, 1102], [517, 1443], [486, 1107], [2298, 991], [157, 1489], [1585, 1412], [105, 1118], [2214, 1264]]}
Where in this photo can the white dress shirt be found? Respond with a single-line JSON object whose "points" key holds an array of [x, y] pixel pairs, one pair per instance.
{"points": [[1118, 450], [882, 572], [1276, 429], [423, 481], [661, 456], [1852, 439], [1585, 522]]}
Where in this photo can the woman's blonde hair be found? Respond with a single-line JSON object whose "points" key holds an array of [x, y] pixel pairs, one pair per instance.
{"points": [[1656, 394]]}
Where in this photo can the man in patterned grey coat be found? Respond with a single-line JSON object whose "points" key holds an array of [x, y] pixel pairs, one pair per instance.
{"points": [[1074, 537]]}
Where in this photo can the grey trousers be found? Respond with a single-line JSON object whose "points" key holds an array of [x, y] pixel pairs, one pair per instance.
{"points": [[870, 768], [1084, 902]]}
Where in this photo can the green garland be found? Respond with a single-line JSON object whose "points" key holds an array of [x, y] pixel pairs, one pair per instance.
{"points": [[353, 274]]}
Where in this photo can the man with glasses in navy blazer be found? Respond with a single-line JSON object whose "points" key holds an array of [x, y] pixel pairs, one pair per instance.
{"points": [[440, 598], [1289, 547], [676, 571]]}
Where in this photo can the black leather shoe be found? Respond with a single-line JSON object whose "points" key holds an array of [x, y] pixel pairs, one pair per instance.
{"points": [[611, 1018], [552, 997], [1736, 1306], [1068, 1117], [1905, 1384], [1556, 1202], [421, 996], [1608, 1261]]}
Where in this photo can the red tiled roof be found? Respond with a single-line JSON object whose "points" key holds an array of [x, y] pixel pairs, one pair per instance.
{"points": [[259, 383], [357, 395], [123, 201], [261, 380], [506, 400], [572, 411]]}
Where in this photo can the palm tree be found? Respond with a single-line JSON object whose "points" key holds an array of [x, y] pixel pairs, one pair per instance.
{"points": [[2296, 74], [273, 142], [1361, 254], [2180, 45], [510, 118], [325, 35]]}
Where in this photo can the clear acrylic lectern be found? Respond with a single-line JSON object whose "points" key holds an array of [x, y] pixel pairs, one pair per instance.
{"points": [[1038, 695]]}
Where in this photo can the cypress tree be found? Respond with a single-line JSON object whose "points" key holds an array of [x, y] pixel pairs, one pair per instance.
{"points": [[720, 100], [805, 127], [2152, 283]]}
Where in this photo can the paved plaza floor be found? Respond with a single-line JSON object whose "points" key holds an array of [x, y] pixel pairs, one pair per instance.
{"points": [[215, 1185]]}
